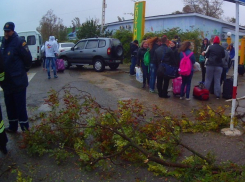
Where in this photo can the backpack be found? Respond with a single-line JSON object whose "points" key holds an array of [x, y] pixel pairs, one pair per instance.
{"points": [[185, 65], [147, 58]]}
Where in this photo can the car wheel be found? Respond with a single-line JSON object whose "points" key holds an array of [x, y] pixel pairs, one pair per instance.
{"points": [[99, 65], [114, 66], [66, 63]]}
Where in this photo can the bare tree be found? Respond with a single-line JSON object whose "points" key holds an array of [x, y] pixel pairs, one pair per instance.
{"points": [[212, 8], [76, 22], [50, 24]]}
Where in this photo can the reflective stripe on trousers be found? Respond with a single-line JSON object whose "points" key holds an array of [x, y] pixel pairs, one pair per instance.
{"points": [[2, 127]]}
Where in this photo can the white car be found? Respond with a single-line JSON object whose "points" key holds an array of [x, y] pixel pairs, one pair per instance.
{"points": [[65, 46]]}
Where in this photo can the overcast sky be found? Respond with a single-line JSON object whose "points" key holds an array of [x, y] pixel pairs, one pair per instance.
{"points": [[26, 14]]}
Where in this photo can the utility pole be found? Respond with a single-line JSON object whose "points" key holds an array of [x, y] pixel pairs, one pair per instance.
{"points": [[103, 16]]}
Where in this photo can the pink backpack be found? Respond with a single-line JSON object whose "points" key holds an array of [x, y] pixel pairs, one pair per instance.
{"points": [[185, 65]]}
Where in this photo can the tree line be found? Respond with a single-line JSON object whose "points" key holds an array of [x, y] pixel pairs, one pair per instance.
{"points": [[50, 24]]}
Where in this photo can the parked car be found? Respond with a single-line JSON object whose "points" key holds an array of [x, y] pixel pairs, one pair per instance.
{"points": [[99, 52], [65, 46]]}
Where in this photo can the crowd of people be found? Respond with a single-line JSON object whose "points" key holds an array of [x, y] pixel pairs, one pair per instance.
{"points": [[215, 59], [16, 60]]}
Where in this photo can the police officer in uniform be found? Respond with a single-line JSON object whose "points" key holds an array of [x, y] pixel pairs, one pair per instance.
{"points": [[3, 136], [17, 61]]}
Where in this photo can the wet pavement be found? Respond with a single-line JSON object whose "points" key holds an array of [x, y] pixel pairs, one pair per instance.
{"points": [[109, 87]]}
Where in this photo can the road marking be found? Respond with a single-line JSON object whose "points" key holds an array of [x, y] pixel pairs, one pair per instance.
{"points": [[29, 75]]}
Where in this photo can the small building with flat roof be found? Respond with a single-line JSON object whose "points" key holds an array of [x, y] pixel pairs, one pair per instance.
{"points": [[208, 26]]}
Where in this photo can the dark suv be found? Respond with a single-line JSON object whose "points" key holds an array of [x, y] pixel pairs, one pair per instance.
{"points": [[99, 52]]}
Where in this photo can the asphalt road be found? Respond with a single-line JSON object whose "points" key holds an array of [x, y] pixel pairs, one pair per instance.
{"points": [[107, 87]]}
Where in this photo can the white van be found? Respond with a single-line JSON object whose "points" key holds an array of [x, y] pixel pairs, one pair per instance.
{"points": [[34, 42]]}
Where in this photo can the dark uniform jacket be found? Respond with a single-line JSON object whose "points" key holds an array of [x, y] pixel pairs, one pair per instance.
{"points": [[215, 54], [1, 69], [168, 56], [17, 61]]}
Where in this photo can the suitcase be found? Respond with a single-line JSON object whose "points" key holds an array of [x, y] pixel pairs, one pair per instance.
{"points": [[228, 88], [60, 66], [241, 69], [177, 85], [201, 93]]}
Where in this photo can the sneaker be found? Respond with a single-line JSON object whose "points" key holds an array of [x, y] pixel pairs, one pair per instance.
{"points": [[217, 98], [181, 98], [170, 89], [132, 74], [49, 77], [55, 76], [3, 149], [187, 99], [151, 91], [8, 130]]}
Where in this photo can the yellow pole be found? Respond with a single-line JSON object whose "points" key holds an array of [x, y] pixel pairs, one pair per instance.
{"points": [[242, 54], [228, 40]]}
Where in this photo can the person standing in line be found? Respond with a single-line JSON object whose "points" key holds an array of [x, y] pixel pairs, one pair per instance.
{"points": [[225, 61], [3, 136], [163, 54], [214, 66], [173, 45], [153, 43], [17, 62], [231, 49], [140, 62], [202, 59], [133, 50], [50, 51], [186, 48]]}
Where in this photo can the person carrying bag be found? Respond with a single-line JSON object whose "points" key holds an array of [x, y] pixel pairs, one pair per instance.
{"points": [[164, 58]]}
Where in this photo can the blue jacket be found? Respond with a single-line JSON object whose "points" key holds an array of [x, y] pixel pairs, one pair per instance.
{"points": [[232, 53], [17, 61], [192, 58]]}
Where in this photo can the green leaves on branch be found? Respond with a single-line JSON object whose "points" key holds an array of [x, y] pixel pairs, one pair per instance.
{"points": [[78, 125]]}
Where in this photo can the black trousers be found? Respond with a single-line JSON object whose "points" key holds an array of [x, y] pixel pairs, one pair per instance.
{"points": [[3, 136], [16, 110], [203, 71], [162, 86]]}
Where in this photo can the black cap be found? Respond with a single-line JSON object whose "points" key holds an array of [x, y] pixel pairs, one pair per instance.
{"points": [[136, 41], [9, 26]]}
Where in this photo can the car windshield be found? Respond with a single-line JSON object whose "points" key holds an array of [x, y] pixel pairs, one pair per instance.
{"points": [[67, 45]]}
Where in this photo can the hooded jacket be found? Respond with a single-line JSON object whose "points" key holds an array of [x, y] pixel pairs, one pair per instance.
{"points": [[50, 47], [215, 54], [17, 61]]}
